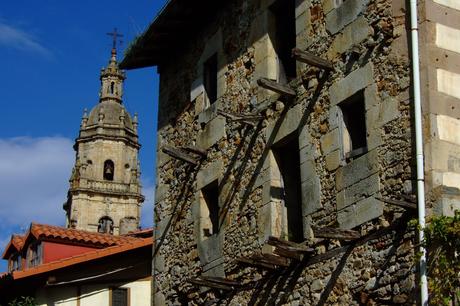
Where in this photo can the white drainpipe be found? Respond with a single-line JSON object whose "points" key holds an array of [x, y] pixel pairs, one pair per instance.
{"points": [[419, 149]]}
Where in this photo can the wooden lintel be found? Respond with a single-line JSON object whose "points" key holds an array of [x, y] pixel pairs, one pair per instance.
{"points": [[276, 87], [336, 233], [311, 59], [256, 263], [221, 280], [403, 204], [196, 150], [179, 154]]}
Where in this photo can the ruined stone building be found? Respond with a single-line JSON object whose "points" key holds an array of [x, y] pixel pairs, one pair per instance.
{"points": [[105, 190], [286, 149]]}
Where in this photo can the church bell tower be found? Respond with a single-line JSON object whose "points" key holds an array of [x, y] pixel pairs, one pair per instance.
{"points": [[105, 189]]}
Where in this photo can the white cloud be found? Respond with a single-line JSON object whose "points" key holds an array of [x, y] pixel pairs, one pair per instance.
{"points": [[34, 174], [16, 38]]}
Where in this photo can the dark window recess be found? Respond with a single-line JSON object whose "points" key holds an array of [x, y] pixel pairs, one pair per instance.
{"points": [[109, 168], [35, 255], [211, 197], [105, 225], [210, 78], [120, 297], [284, 39], [354, 126], [288, 160]]}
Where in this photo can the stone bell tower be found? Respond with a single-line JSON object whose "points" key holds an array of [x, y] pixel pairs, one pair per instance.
{"points": [[105, 189]]}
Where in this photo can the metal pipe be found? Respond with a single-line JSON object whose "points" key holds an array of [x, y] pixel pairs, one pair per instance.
{"points": [[419, 148]]}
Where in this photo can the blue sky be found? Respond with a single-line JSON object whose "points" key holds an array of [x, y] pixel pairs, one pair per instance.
{"points": [[51, 53]]}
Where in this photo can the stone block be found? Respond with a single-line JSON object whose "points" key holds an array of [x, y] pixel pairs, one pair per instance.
{"points": [[328, 5], [442, 156], [270, 220], [290, 123], [333, 160], [262, 177], [445, 128], [358, 191], [212, 133], [197, 88], [301, 22], [334, 117], [159, 263], [330, 141], [352, 83], [447, 82], [161, 192], [307, 170], [446, 206], [208, 113], [301, 6], [209, 174], [449, 3], [338, 18], [380, 114], [357, 170], [159, 299], [359, 213], [162, 158], [311, 196], [371, 98], [351, 35]]}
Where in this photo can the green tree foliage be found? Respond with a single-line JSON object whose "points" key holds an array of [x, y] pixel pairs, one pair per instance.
{"points": [[442, 240], [23, 301]]}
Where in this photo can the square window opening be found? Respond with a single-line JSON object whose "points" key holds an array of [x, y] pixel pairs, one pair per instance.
{"points": [[287, 157], [120, 297], [354, 126], [210, 79], [284, 39], [210, 195]]}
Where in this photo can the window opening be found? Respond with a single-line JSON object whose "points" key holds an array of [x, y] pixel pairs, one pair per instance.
{"points": [[35, 254], [288, 161], [112, 87], [109, 168], [284, 39], [120, 297], [15, 262], [105, 225], [210, 79], [211, 197], [354, 126]]}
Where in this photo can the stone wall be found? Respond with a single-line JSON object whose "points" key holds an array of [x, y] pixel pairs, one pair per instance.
{"points": [[367, 43]]}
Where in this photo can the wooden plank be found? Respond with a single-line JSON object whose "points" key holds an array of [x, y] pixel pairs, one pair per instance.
{"points": [[196, 150], [243, 116], [311, 59], [288, 245], [293, 255], [403, 204], [276, 87], [179, 154], [271, 259], [256, 263], [221, 280], [336, 233], [202, 282]]}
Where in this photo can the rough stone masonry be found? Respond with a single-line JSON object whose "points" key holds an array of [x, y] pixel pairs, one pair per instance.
{"points": [[316, 149]]}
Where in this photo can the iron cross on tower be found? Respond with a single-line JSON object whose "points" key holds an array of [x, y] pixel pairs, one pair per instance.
{"points": [[115, 35]]}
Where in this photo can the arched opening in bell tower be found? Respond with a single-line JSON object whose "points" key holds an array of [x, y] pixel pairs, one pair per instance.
{"points": [[109, 168], [105, 225], [112, 87]]}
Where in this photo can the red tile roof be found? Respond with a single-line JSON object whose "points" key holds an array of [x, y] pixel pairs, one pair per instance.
{"points": [[51, 232], [135, 243], [16, 243]]}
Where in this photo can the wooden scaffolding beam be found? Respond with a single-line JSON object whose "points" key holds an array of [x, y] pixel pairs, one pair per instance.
{"points": [[216, 282], [336, 233], [180, 155], [403, 204], [276, 87], [288, 249], [311, 59], [250, 119], [193, 149]]}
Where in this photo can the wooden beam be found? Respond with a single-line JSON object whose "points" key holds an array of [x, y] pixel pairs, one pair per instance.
{"points": [[203, 282], [288, 245], [336, 233], [251, 262], [221, 280], [292, 255], [311, 59], [276, 87], [403, 204], [237, 117], [179, 154], [196, 150], [271, 259]]}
